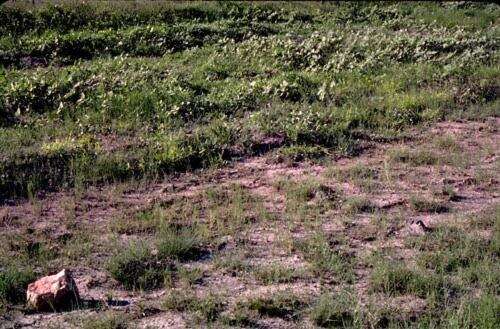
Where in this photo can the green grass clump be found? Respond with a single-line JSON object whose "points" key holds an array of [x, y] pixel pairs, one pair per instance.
{"points": [[397, 279], [453, 251], [354, 205], [13, 283], [106, 321], [424, 205], [182, 243], [275, 273], [299, 153], [479, 312], [334, 311], [282, 304], [415, 157], [356, 172], [207, 307], [327, 258], [137, 268]]}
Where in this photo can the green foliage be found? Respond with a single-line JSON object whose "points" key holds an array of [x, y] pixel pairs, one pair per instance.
{"points": [[181, 243], [137, 268], [275, 273], [106, 321], [207, 307], [281, 304], [14, 280], [424, 205], [396, 279], [195, 85], [334, 310], [327, 257]]}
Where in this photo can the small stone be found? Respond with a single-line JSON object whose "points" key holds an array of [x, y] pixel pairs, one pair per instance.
{"points": [[54, 292]]}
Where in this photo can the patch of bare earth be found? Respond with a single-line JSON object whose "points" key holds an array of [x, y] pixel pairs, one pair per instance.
{"points": [[472, 174]]}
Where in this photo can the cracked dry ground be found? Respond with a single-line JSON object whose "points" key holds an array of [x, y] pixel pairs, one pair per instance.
{"points": [[272, 232]]}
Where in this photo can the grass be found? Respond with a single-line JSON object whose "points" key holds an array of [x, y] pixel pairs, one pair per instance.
{"points": [[126, 108], [327, 258], [425, 205], [207, 307], [13, 283], [137, 268], [418, 157], [58, 119], [281, 304], [106, 321], [306, 199], [334, 311], [448, 270], [232, 262], [354, 205], [179, 243], [361, 175], [190, 276], [276, 273], [397, 279], [476, 313], [298, 153]]}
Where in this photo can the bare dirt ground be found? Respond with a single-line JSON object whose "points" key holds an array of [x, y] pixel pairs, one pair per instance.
{"points": [[464, 159]]}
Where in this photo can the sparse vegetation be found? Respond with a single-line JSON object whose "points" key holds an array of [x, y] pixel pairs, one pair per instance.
{"points": [[105, 321]]}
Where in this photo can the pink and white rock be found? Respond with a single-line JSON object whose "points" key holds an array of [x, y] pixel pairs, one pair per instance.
{"points": [[54, 292]]}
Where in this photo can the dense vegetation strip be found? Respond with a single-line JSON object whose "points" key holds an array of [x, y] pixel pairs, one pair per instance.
{"points": [[91, 94]]}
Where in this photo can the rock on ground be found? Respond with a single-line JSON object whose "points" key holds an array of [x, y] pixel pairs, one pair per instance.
{"points": [[54, 292]]}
